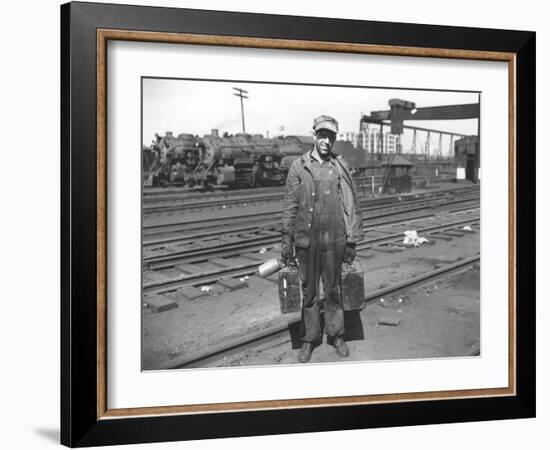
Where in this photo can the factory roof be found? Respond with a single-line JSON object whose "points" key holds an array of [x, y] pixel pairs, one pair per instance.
{"points": [[396, 160]]}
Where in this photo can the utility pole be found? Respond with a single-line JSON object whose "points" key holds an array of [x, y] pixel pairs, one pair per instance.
{"points": [[241, 93]]}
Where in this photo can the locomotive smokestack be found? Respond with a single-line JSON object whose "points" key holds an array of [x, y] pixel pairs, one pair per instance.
{"points": [[215, 132]]}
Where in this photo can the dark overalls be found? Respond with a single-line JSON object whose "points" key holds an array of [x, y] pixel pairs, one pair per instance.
{"points": [[324, 256]]}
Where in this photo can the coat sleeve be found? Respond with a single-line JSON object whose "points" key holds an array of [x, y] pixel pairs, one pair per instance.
{"points": [[357, 219], [356, 215], [290, 207]]}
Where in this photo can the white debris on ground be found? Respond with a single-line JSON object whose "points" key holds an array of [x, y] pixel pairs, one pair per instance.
{"points": [[467, 228], [389, 321], [206, 288], [263, 250], [412, 238]]}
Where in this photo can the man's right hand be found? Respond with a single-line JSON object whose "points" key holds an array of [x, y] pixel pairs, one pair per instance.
{"points": [[286, 249]]}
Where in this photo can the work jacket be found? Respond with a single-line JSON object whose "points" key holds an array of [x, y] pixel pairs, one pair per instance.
{"points": [[300, 197]]}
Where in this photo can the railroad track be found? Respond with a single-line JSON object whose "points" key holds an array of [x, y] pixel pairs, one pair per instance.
{"points": [[163, 231], [279, 334], [197, 267], [190, 205], [151, 195], [159, 205], [232, 243], [206, 242]]}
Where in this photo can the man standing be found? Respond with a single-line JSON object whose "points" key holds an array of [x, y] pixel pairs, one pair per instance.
{"points": [[322, 221]]}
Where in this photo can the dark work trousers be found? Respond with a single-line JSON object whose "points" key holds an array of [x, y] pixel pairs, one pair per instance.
{"points": [[323, 258]]}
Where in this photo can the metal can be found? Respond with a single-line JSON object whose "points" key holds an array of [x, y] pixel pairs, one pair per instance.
{"points": [[353, 288], [289, 289], [270, 267]]}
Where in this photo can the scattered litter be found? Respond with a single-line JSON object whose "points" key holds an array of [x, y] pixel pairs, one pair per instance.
{"points": [[263, 250], [223, 206], [467, 228], [399, 311], [244, 204], [232, 284], [242, 279], [246, 277], [395, 302], [389, 321], [412, 238], [206, 288]]}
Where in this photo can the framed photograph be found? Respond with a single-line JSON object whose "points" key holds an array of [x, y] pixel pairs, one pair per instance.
{"points": [[278, 224]]}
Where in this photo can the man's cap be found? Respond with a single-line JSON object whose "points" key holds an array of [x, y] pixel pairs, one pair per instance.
{"points": [[325, 123]]}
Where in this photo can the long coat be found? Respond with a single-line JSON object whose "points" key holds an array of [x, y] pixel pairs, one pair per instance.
{"points": [[300, 196]]}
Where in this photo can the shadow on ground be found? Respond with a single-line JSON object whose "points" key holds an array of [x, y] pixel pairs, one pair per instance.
{"points": [[50, 434]]}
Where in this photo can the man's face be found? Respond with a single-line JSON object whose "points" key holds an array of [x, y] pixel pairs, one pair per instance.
{"points": [[324, 140]]}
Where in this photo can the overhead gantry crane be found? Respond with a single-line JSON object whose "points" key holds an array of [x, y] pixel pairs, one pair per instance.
{"points": [[403, 110]]}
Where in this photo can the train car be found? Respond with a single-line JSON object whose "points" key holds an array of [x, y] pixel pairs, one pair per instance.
{"points": [[357, 158], [171, 159], [230, 160], [244, 160]]}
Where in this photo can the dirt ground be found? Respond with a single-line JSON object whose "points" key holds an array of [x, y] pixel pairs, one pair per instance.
{"points": [[436, 320]]}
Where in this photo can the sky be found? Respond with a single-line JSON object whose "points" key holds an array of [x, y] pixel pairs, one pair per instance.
{"points": [[197, 106]]}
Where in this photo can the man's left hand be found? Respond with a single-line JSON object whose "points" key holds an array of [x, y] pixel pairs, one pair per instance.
{"points": [[349, 254]]}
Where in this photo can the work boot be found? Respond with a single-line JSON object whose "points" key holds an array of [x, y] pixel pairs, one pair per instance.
{"points": [[305, 352], [341, 347]]}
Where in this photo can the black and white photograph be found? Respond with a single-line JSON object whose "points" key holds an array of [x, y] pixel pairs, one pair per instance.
{"points": [[294, 223], [275, 225]]}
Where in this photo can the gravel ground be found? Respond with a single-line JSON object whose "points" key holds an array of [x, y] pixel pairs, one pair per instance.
{"points": [[438, 320]]}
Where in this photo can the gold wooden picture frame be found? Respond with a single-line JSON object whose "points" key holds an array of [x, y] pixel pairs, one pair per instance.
{"points": [[87, 418]]}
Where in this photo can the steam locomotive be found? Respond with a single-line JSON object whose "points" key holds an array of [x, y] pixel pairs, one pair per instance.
{"points": [[229, 160]]}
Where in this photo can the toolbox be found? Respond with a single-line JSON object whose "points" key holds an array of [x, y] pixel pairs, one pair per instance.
{"points": [[289, 289], [353, 289]]}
